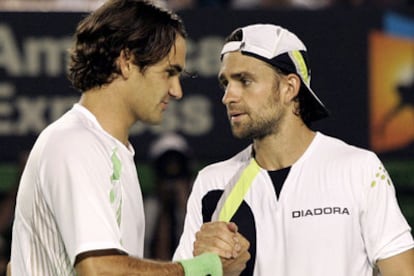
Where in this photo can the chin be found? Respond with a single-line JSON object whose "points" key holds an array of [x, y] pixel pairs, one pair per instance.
{"points": [[244, 135], [156, 122], [153, 121], [239, 135]]}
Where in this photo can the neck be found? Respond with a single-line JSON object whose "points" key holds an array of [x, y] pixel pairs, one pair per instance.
{"points": [[283, 149], [108, 113]]}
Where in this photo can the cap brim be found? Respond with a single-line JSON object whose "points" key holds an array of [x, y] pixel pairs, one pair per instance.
{"points": [[317, 109], [284, 62]]}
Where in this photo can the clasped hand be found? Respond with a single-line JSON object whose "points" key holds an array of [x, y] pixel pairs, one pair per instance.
{"points": [[223, 239]]}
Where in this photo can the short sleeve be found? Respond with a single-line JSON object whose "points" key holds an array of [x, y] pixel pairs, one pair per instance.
{"points": [[76, 176], [385, 230]]}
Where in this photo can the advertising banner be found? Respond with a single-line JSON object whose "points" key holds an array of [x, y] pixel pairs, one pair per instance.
{"points": [[348, 53]]}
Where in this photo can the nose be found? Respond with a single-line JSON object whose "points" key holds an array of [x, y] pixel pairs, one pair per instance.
{"points": [[231, 94], [176, 90]]}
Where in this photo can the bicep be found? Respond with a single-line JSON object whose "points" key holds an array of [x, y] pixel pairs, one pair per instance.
{"points": [[398, 265]]}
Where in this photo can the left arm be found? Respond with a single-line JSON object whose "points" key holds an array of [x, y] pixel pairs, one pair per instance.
{"points": [[398, 265], [8, 273]]}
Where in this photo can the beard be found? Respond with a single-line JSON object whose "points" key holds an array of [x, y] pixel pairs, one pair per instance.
{"points": [[266, 121], [256, 128]]}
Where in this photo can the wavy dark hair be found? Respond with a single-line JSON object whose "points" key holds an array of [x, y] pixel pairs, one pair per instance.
{"points": [[142, 29], [306, 104]]}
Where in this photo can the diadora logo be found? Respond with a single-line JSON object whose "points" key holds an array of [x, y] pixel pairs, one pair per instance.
{"points": [[320, 212]]}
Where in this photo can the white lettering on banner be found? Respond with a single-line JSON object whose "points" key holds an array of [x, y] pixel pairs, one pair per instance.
{"points": [[197, 117], [52, 51], [192, 115], [33, 113], [204, 55], [35, 55], [6, 110], [9, 55], [48, 55]]}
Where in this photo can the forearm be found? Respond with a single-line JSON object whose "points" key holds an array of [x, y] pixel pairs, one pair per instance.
{"points": [[108, 262], [152, 268], [124, 265], [8, 271]]}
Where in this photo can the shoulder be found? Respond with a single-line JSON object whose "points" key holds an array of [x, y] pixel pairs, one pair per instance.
{"points": [[334, 149], [341, 160], [229, 166], [213, 179], [217, 175], [72, 134]]}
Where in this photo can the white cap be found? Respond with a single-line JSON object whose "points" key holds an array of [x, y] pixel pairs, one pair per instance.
{"points": [[282, 49]]}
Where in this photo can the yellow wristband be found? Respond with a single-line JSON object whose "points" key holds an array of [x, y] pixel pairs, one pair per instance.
{"points": [[206, 264]]}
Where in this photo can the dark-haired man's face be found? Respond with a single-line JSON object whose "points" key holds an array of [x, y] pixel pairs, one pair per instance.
{"points": [[152, 90]]}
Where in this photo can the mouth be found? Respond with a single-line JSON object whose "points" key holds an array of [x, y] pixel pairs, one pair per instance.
{"points": [[235, 116], [164, 105]]}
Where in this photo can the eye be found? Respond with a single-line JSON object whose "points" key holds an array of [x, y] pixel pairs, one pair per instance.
{"points": [[186, 74], [245, 81], [172, 72], [223, 84]]}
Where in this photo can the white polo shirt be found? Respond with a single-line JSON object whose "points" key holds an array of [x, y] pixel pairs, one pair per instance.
{"points": [[337, 213], [79, 192]]}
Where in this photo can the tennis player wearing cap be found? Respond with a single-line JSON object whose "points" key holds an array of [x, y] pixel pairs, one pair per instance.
{"points": [[308, 203]]}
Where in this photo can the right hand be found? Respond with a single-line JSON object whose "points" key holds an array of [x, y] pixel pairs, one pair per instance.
{"points": [[223, 239], [234, 266]]}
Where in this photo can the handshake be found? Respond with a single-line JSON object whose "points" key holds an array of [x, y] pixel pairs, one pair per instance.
{"points": [[223, 239]]}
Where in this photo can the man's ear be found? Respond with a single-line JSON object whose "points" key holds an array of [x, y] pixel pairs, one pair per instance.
{"points": [[125, 63], [293, 84]]}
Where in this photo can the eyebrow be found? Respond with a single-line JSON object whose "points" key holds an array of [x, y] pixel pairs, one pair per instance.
{"points": [[235, 76], [221, 77], [180, 70], [177, 68]]}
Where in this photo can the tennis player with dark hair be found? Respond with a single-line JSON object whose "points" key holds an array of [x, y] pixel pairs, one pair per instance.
{"points": [[309, 204], [79, 207]]}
